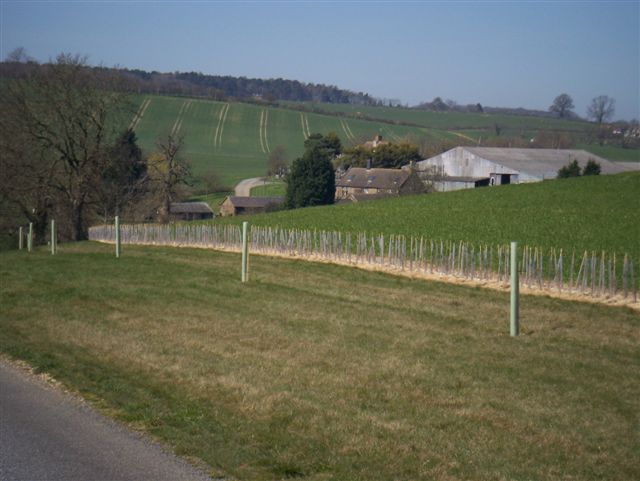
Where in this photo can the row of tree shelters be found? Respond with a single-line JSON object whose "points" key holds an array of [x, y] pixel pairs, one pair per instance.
{"points": [[358, 182], [238, 205], [468, 167]]}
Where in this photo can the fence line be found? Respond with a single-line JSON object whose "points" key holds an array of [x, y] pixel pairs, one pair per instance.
{"points": [[598, 274]]}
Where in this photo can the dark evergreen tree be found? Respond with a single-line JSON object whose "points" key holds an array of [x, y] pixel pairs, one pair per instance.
{"points": [[570, 170], [312, 179], [592, 168], [125, 175]]}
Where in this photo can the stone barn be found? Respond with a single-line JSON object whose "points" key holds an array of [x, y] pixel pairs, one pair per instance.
{"points": [[360, 181], [179, 211], [469, 167], [238, 205]]}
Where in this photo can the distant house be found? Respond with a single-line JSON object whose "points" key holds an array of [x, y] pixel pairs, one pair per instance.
{"points": [[469, 167], [357, 182], [190, 211], [372, 144], [236, 205]]}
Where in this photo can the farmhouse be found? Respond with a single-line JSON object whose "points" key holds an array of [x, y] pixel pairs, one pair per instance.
{"points": [[358, 181], [237, 205], [468, 167], [372, 144], [190, 211]]}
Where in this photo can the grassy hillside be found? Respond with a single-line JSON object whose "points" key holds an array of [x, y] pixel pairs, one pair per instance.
{"points": [[235, 139], [454, 120], [481, 126], [329, 373], [592, 213]]}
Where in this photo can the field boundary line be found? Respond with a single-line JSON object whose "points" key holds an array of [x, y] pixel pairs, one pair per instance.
{"points": [[262, 121]]}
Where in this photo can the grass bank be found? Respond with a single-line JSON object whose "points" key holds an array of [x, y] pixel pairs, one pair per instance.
{"points": [[322, 372]]}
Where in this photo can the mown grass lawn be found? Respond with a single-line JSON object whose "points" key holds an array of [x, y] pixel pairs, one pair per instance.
{"points": [[324, 372]]}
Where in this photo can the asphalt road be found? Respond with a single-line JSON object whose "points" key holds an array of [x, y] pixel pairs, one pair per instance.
{"points": [[243, 189], [46, 434]]}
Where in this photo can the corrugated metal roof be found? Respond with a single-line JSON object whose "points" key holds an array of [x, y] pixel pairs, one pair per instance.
{"points": [[361, 178], [541, 161], [190, 208]]}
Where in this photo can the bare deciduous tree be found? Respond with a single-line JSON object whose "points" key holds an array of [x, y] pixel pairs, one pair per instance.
{"points": [[170, 171], [62, 113], [601, 109]]}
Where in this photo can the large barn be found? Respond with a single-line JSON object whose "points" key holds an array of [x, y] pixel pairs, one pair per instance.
{"points": [[468, 167]]}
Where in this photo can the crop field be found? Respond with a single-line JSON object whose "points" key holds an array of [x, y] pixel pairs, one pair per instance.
{"points": [[593, 213], [235, 139], [453, 120], [323, 372]]}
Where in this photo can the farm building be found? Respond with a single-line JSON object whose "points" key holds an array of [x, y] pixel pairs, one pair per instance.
{"points": [[237, 205], [358, 181], [469, 167], [372, 144], [190, 211]]}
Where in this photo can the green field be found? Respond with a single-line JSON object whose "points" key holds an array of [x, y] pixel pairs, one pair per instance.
{"points": [[235, 139], [323, 372], [452, 120], [594, 213], [276, 189]]}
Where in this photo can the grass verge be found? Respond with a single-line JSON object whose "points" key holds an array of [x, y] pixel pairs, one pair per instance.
{"points": [[324, 372]]}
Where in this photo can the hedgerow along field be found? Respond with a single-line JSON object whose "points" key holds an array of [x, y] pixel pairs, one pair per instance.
{"points": [[325, 372], [234, 139], [587, 213]]}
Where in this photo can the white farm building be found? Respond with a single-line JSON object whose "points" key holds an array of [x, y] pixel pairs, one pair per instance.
{"points": [[468, 167]]}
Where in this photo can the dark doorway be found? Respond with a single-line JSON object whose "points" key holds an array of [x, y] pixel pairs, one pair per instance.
{"points": [[505, 179]]}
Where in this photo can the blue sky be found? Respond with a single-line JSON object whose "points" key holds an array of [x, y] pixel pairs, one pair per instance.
{"points": [[515, 54]]}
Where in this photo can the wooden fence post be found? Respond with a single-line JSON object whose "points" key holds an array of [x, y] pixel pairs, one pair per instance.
{"points": [[245, 252], [515, 322], [20, 238]]}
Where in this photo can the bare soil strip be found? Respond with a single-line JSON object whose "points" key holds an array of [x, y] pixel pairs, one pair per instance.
{"points": [[306, 121], [263, 131], [266, 139], [346, 130], [139, 114], [304, 132], [178, 123], [260, 132], [223, 119]]}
